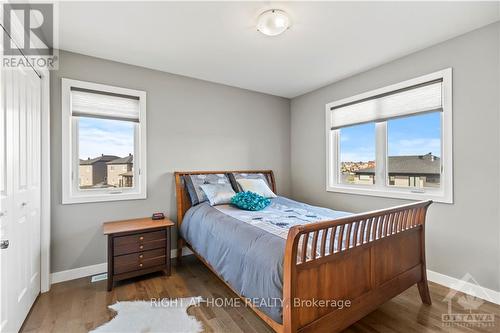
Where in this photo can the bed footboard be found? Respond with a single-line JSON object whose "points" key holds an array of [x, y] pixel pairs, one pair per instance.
{"points": [[336, 272]]}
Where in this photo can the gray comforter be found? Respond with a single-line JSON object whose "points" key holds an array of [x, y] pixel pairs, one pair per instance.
{"points": [[249, 256]]}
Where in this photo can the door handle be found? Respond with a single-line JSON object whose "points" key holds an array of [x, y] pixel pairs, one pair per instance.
{"points": [[4, 244]]}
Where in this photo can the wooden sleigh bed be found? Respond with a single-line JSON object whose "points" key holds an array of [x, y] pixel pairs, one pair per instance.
{"points": [[367, 270]]}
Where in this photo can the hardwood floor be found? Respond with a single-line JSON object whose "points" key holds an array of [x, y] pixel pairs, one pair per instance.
{"points": [[79, 306]]}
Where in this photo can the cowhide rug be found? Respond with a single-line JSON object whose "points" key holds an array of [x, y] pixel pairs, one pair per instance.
{"points": [[166, 316]]}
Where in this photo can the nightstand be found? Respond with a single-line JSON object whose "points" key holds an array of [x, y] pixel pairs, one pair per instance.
{"points": [[137, 247]]}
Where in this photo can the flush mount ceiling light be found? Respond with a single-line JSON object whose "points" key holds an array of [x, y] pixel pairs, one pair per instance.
{"points": [[273, 22]]}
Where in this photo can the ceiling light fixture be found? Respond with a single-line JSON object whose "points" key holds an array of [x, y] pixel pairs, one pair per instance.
{"points": [[273, 22]]}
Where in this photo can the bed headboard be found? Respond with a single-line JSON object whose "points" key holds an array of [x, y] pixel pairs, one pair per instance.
{"points": [[183, 201]]}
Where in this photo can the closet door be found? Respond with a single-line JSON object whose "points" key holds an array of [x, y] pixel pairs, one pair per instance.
{"points": [[20, 195], [6, 201]]}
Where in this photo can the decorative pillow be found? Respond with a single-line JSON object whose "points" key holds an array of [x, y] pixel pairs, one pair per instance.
{"points": [[193, 183], [234, 177], [250, 201], [218, 194], [256, 186]]}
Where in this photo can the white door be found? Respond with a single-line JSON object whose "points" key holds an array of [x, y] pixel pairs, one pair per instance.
{"points": [[20, 195]]}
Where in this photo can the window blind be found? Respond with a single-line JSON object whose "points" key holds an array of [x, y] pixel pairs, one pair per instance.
{"points": [[424, 97], [98, 104]]}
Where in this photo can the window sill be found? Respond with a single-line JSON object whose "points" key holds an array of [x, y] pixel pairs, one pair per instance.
{"points": [[437, 196], [102, 197]]}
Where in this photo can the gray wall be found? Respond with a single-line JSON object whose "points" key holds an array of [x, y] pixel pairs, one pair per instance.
{"points": [[463, 237], [192, 125]]}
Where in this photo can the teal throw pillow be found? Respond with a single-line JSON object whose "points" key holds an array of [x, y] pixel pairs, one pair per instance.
{"points": [[250, 201]]}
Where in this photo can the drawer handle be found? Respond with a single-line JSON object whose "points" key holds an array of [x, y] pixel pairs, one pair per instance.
{"points": [[141, 238], [141, 256], [141, 247], [140, 265]]}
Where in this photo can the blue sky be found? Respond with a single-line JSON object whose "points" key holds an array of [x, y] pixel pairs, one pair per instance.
{"points": [[416, 135], [104, 136]]}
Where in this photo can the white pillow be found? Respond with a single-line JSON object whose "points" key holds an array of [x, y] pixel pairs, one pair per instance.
{"points": [[218, 194], [258, 186]]}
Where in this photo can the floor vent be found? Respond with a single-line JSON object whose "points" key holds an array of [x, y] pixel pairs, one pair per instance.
{"points": [[99, 277]]}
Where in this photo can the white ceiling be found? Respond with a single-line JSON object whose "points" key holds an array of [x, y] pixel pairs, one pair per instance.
{"points": [[217, 41]]}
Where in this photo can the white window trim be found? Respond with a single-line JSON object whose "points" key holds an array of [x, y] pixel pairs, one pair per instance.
{"points": [[380, 189], [71, 193]]}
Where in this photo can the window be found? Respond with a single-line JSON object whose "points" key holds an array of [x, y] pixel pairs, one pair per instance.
{"points": [[104, 142], [357, 153], [414, 151], [393, 142]]}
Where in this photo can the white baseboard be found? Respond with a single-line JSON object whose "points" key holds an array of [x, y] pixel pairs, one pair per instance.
{"points": [[76, 273], [466, 287]]}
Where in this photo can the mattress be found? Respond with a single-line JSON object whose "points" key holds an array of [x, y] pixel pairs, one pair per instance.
{"points": [[247, 248]]}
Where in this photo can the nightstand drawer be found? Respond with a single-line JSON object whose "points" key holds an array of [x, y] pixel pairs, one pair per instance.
{"points": [[138, 247], [139, 242], [139, 256], [140, 260], [140, 238]]}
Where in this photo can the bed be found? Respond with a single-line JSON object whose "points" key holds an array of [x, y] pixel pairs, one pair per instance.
{"points": [[294, 276]]}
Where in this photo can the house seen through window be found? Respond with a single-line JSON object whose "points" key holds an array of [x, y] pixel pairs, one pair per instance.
{"points": [[414, 152], [106, 149]]}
